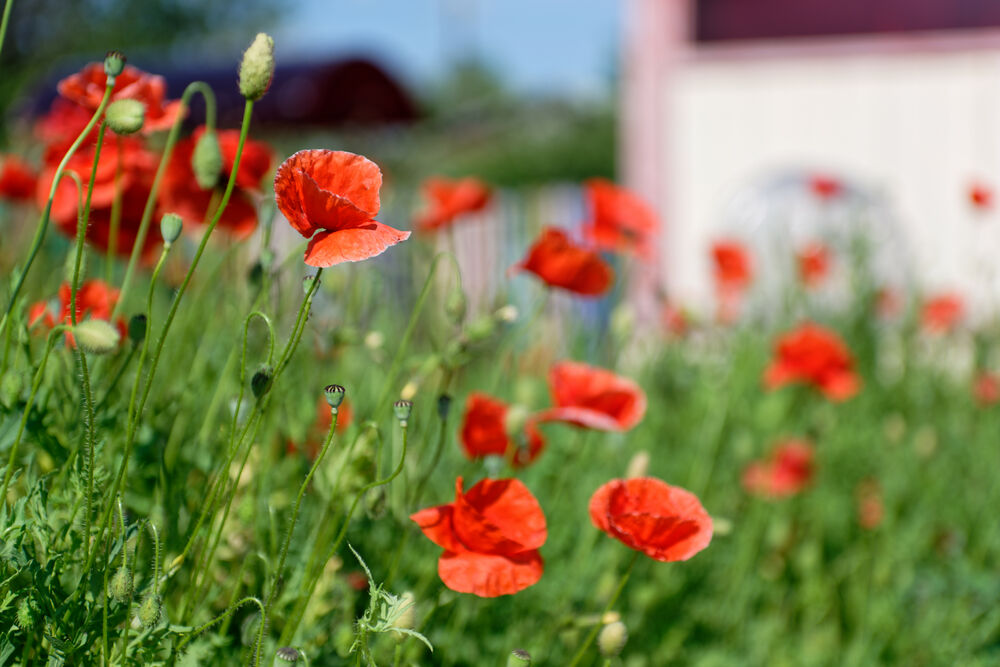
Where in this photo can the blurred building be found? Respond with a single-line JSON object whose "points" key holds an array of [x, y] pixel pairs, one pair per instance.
{"points": [[901, 97]]}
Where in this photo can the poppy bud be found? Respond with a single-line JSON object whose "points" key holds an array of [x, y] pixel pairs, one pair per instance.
{"points": [[206, 160], [286, 655], [149, 610], [443, 406], [256, 273], [334, 395], [260, 383], [121, 584], [25, 617], [455, 304], [96, 336], [125, 116], [137, 328], [170, 227], [407, 619], [402, 411], [519, 658], [114, 63], [480, 329], [612, 639], [257, 67]]}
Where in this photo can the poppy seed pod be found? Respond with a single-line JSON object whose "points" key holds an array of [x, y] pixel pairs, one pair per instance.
{"points": [[257, 67], [171, 225], [96, 336], [206, 160], [519, 658], [402, 410], [286, 655], [121, 584], [260, 383], [137, 328], [125, 116], [612, 639], [149, 610], [334, 395], [114, 63]]}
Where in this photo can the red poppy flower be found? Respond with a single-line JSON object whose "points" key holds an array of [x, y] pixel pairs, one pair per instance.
{"points": [[824, 186], [788, 470], [561, 263], [86, 89], [484, 432], [490, 538], [981, 196], [333, 197], [450, 199], [17, 179], [814, 355], [814, 264], [593, 398], [733, 267], [619, 220], [941, 313], [986, 388], [667, 523], [181, 194], [60, 127]]}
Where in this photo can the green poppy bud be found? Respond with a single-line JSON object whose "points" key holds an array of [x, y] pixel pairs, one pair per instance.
{"points": [[171, 225], [402, 410], [137, 328], [612, 639], [455, 305], [480, 329], [121, 585], [150, 610], [96, 336], [114, 63], [260, 383], [519, 658], [25, 616], [334, 395], [286, 655], [206, 160], [125, 116], [257, 67]]}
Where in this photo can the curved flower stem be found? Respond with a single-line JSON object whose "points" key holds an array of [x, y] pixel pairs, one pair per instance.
{"points": [[289, 632], [221, 617], [592, 635], [58, 329], [43, 221], [168, 149]]}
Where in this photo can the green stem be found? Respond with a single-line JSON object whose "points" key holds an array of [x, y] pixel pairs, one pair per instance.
{"points": [[168, 149], [592, 635], [89, 440], [117, 378], [223, 616], [6, 18], [81, 225], [116, 216]]}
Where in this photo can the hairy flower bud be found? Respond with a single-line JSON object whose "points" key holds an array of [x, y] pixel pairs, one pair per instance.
{"points": [[96, 336], [125, 116], [171, 225], [257, 67], [519, 658], [260, 383], [150, 610], [612, 639], [286, 655], [206, 160], [402, 411], [114, 63], [334, 395], [121, 584], [137, 328], [26, 614]]}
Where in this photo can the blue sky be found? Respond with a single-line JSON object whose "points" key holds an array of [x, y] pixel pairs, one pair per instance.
{"points": [[566, 47]]}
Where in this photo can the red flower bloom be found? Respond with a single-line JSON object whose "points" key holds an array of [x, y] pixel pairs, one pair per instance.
{"points": [[593, 398], [986, 388], [981, 196], [788, 470], [824, 186], [86, 89], [17, 179], [619, 220], [560, 263], [451, 199], [484, 432], [490, 538], [733, 268], [333, 197], [664, 522], [181, 194], [941, 313], [814, 264], [60, 127], [814, 355]]}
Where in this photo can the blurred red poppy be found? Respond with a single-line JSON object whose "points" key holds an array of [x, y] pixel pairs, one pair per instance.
{"points": [[986, 388], [484, 432], [667, 523], [448, 200], [814, 355], [981, 196], [86, 89], [333, 197], [94, 299], [181, 194], [561, 263], [17, 179], [824, 186], [786, 472], [619, 220], [490, 538], [733, 267], [593, 398], [941, 313], [814, 264]]}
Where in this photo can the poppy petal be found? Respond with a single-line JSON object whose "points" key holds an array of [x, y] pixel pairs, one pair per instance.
{"points": [[490, 575], [352, 245], [436, 524], [508, 505]]}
